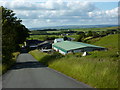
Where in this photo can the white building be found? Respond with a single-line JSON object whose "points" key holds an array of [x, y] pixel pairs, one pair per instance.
{"points": [[65, 47], [58, 40]]}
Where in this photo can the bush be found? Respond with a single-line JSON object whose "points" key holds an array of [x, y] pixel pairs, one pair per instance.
{"points": [[8, 65]]}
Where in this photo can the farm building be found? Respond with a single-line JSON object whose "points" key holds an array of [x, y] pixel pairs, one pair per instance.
{"points": [[65, 47], [63, 39], [32, 44], [58, 40], [45, 45]]}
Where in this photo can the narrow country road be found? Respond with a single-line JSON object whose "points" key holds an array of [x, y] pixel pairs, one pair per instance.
{"points": [[29, 73]]}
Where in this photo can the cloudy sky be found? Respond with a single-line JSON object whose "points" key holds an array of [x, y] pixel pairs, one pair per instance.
{"points": [[41, 13]]}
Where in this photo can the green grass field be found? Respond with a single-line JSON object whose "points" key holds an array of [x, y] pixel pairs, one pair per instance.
{"points": [[95, 29], [53, 31], [110, 41], [41, 37], [99, 70], [85, 29]]}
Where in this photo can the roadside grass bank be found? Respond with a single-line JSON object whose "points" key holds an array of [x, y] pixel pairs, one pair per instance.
{"points": [[5, 67], [99, 69], [44, 57], [96, 72]]}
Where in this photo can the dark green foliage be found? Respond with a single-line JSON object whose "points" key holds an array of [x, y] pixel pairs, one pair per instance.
{"points": [[80, 32], [65, 38], [13, 33], [110, 32], [81, 37], [103, 33], [49, 38], [90, 33], [22, 33], [39, 32], [95, 34]]}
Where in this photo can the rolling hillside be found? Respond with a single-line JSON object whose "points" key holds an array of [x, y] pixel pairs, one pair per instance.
{"points": [[110, 42]]}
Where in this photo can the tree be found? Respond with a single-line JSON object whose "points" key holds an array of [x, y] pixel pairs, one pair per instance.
{"points": [[90, 33], [95, 34], [80, 37], [65, 38], [80, 32], [13, 33], [103, 33], [110, 32]]}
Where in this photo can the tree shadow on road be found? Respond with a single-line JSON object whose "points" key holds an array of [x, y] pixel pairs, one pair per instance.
{"points": [[22, 65]]}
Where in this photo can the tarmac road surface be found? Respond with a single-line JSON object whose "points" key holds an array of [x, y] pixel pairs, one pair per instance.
{"points": [[29, 73]]}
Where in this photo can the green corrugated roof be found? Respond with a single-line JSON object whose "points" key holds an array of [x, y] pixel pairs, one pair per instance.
{"points": [[70, 45]]}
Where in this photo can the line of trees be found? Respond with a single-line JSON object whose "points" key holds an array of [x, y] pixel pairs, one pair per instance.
{"points": [[13, 34], [95, 34]]}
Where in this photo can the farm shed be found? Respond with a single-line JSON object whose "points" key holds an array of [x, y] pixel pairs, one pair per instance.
{"points": [[65, 47], [32, 44], [58, 40], [45, 45]]}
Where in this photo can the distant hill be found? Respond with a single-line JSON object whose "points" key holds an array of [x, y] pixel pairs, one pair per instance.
{"points": [[72, 27]]}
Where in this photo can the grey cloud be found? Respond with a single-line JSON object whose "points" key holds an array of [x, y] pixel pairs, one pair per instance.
{"points": [[60, 12]]}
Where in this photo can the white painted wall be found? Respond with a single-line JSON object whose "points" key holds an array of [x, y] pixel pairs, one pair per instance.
{"points": [[58, 40], [60, 51], [70, 52], [55, 48]]}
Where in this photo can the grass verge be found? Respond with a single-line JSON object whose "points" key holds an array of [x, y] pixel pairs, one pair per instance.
{"points": [[96, 72], [5, 67]]}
